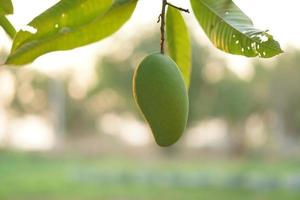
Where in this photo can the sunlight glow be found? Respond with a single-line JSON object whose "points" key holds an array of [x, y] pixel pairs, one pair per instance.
{"points": [[256, 131], [130, 130], [31, 133], [210, 133], [7, 87]]}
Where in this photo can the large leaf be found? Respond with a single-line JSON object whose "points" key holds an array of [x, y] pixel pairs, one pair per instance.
{"points": [[179, 43], [7, 26], [232, 31], [6, 7], [69, 24]]}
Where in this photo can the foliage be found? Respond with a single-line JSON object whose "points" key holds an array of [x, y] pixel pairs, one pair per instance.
{"points": [[67, 25], [232, 31], [225, 98], [179, 43], [74, 23], [6, 8], [4, 22]]}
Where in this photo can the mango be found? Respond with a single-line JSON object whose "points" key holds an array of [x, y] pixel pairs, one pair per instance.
{"points": [[160, 92]]}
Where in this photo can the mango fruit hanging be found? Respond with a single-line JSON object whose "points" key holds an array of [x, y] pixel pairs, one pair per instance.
{"points": [[160, 92]]}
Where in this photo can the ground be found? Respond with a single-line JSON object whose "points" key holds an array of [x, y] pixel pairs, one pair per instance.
{"points": [[57, 177]]}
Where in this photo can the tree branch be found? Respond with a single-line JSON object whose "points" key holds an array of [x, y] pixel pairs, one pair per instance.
{"points": [[162, 20], [162, 26]]}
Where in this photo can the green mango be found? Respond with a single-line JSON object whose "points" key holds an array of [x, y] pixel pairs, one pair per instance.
{"points": [[160, 92]]}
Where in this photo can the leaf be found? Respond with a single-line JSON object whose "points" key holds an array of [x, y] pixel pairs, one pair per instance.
{"points": [[232, 31], [7, 26], [6, 7], [179, 45], [69, 24]]}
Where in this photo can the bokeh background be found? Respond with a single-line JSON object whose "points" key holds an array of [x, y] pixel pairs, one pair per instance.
{"points": [[69, 127]]}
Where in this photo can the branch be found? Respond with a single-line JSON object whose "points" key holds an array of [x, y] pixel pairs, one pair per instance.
{"points": [[162, 26], [162, 20]]}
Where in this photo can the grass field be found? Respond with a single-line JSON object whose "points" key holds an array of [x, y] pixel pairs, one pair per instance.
{"points": [[49, 177]]}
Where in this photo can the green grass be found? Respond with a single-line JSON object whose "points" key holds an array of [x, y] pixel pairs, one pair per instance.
{"points": [[35, 177]]}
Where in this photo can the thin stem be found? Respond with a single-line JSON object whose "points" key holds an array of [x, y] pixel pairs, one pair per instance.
{"points": [[162, 26], [162, 20], [178, 8]]}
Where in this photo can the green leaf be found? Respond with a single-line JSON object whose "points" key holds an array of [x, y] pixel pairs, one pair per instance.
{"points": [[232, 31], [6, 7], [179, 45], [69, 24], [7, 26]]}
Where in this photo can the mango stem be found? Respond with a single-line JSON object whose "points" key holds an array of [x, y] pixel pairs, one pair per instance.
{"points": [[162, 20]]}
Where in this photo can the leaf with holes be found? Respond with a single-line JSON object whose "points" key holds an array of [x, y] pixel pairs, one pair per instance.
{"points": [[179, 45], [232, 31], [69, 24]]}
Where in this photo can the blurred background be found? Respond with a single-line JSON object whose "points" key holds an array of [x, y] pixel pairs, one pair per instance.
{"points": [[70, 129]]}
